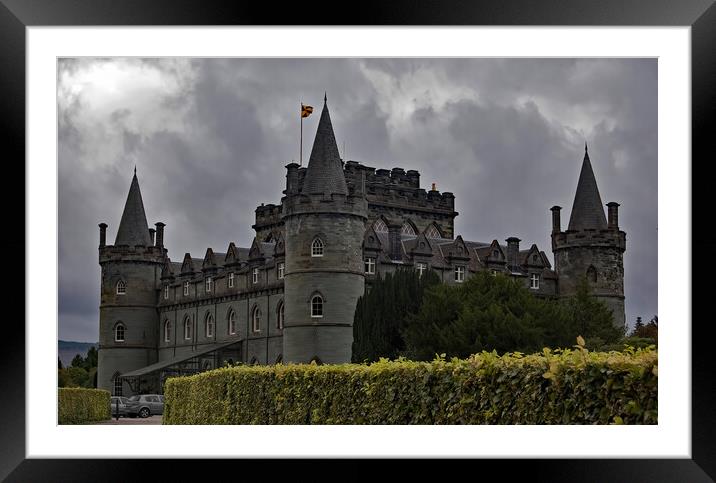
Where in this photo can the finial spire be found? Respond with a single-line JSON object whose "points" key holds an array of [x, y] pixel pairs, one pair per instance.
{"points": [[585, 147], [325, 97], [587, 209], [135, 170], [133, 225]]}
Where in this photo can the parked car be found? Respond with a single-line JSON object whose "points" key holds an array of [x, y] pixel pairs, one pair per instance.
{"points": [[145, 405], [122, 406]]}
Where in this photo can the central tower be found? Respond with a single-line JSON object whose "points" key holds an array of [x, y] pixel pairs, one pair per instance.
{"points": [[324, 226]]}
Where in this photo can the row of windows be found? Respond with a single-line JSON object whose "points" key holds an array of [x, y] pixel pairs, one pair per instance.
{"points": [[407, 229], [230, 281]]}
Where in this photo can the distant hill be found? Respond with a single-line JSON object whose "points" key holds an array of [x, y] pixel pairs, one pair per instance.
{"points": [[69, 349]]}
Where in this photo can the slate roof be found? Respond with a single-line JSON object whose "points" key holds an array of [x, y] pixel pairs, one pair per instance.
{"points": [[587, 210], [133, 229], [325, 170]]}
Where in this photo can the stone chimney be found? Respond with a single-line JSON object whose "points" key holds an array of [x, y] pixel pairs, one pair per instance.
{"points": [[513, 247], [102, 234], [613, 216], [556, 223], [160, 234]]}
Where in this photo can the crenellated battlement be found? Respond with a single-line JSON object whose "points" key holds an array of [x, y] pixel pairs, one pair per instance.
{"points": [[129, 253], [589, 238], [335, 203]]}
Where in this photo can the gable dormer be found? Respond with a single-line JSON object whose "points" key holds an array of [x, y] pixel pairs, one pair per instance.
{"points": [[167, 272], [496, 253], [255, 252], [232, 255], [187, 266], [533, 258], [280, 247], [371, 241], [422, 246], [456, 250], [209, 262]]}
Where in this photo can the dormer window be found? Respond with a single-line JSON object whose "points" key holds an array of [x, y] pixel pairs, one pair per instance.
{"points": [[166, 292], [186, 288], [231, 280], [281, 270], [494, 273], [209, 283], [121, 287], [255, 275], [496, 253], [370, 265], [317, 248], [459, 274], [421, 267], [534, 281]]}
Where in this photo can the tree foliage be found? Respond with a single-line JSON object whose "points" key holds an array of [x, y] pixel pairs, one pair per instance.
{"points": [[381, 313], [648, 331], [82, 372]]}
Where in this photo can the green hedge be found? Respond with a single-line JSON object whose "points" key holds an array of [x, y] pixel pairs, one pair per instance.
{"points": [[79, 405], [554, 387]]}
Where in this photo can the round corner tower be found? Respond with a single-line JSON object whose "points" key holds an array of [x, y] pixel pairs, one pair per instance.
{"points": [[128, 317], [591, 247], [324, 225]]}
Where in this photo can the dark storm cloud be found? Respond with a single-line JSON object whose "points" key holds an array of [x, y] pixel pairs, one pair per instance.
{"points": [[210, 138]]}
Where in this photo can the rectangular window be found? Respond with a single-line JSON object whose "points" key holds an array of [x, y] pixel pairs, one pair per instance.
{"points": [[370, 265], [231, 279], [166, 292], [281, 268], [209, 284], [459, 274], [186, 288], [534, 281], [117, 389], [255, 275], [421, 267]]}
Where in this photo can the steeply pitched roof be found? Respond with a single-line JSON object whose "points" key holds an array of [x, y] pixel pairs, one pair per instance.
{"points": [[133, 229], [325, 171], [587, 210]]}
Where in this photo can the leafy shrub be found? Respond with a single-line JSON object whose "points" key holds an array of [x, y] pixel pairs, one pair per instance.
{"points": [[572, 386], [79, 405]]}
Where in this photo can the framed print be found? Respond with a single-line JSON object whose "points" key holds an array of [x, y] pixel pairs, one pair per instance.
{"points": [[654, 53]]}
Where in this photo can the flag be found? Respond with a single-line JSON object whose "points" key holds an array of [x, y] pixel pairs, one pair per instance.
{"points": [[306, 110]]}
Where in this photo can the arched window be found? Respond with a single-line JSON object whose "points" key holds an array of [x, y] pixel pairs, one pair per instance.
{"points": [[380, 226], [407, 229], [187, 328], [232, 322], [432, 232], [119, 332], [256, 319], [316, 306], [121, 287], [592, 274], [317, 248], [279, 316], [167, 331], [117, 385], [209, 325]]}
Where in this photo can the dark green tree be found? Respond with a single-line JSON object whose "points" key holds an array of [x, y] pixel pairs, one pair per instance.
{"points": [[91, 359], [590, 317], [59, 363], [77, 361]]}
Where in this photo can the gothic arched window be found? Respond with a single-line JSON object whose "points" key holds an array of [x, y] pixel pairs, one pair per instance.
{"points": [[407, 229], [256, 319], [119, 332], [380, 226], [167, 331], [279, 316], [232, 322], [432, 232], [121, 287], [209, 325], [187, 328], [317, 248], [316, 306]]}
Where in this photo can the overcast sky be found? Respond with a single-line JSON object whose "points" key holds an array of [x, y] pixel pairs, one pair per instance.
{"points": [[210, 139]]}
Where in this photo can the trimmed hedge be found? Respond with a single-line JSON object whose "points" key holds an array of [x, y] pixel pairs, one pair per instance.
{"points": [[554, 387], [78, 405]]}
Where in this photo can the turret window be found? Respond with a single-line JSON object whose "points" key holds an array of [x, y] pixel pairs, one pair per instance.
{"points": [[121, 287], [119, 332], [209, 282], [370, 265], [317, 306], [209, 326], [187, 328], [167, 331], [256, 320], [231, 280], [534, 281], [317, 248], [459, 274], [186, 288], [281, 270], [255, 275], [232, 323]]}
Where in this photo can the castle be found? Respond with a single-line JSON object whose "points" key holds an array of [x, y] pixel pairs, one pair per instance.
{"points": [[291, 296]]}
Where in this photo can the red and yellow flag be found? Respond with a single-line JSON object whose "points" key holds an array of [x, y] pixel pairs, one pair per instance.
{"points": [[306, 110]]}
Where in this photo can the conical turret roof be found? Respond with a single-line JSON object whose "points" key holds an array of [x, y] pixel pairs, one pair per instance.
{"points": [[325, 171], [133, 229], [587, 210]]}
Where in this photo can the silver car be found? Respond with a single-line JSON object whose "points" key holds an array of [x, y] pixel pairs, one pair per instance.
{"points": [[145, 405], [118, 403]]}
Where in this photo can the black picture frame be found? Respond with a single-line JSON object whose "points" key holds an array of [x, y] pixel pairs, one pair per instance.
{"points": [[700, 15]]}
